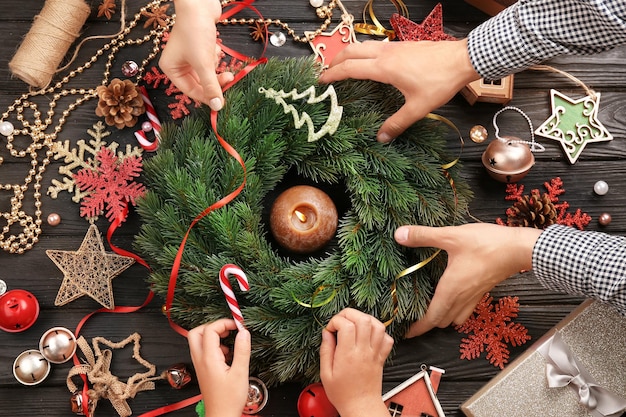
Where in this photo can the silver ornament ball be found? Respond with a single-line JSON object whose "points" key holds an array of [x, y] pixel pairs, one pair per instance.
{"points": [[601, 188], [58, 345], [278, 39], [257, 396], [30, 367]]}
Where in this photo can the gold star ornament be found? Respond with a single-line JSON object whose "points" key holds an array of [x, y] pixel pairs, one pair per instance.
{"points": [[89, 270]]}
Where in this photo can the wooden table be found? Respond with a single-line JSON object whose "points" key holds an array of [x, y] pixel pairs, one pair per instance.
{"points": [[540, 309]]}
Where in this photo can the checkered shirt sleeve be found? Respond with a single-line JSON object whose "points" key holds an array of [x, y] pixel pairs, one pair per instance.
{"points": [[532, 31], [577, 262]]}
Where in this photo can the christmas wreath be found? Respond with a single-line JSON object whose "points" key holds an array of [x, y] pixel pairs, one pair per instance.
{"points": [[292, 296]]}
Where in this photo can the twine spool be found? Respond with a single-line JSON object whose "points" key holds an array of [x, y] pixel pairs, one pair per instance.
{"points": [[54, 30]]}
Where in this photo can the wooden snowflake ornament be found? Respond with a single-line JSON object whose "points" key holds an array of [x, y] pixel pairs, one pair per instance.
{"points": [[574, 123], [88, 271]]}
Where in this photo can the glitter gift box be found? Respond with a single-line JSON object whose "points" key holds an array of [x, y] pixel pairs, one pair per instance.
{"points": [[593, 337]]}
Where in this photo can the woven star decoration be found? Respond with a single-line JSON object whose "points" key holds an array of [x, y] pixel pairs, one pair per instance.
{"points": [[431, 29], [88, 271], [574, 123]]}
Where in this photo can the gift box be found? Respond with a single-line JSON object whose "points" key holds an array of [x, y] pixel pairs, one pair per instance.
{"points": [[576, 369]]}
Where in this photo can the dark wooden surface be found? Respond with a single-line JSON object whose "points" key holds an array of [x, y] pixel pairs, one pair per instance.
{"points": [[540, 309]]}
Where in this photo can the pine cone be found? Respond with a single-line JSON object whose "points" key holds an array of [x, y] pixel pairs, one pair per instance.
{"points": [[534, 210], [120, 103]]}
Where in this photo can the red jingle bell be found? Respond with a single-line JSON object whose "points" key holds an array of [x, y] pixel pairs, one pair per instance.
{"points": [[19, 310], [313, 402]]}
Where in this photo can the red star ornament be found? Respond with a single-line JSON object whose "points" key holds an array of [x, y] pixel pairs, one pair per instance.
{"points": [[431, 29], [327, 45]]}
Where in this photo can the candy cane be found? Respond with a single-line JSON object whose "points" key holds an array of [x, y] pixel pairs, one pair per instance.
{"points": [[154, 123], [225, 272]]}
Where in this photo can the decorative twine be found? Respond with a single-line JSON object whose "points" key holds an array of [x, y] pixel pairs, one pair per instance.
{"points": [[548, 68], [105, 384], [48, 40]]}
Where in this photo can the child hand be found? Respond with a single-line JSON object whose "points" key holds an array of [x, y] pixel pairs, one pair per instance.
{"points": [[353, 351], [224, 387]]}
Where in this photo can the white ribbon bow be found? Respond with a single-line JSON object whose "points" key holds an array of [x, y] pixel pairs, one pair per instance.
{"points": [[562, 370]]}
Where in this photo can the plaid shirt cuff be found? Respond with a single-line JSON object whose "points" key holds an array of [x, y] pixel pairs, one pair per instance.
{"points": [[532, 31], [576, 262]]}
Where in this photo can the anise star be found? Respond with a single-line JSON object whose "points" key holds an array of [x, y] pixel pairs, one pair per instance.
{"points": [[107, 8], [259, 30], [156, 16]]}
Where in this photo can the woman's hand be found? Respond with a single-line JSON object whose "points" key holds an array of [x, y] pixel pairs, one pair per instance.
{"points": [[191, 54]]}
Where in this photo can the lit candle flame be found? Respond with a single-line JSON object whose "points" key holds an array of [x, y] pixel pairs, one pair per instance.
{"points": [[301, 216]]}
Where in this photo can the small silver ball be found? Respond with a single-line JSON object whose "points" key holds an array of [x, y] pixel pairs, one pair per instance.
{"points": [[30, 367], [58, 345], [601, 187], [6, 128], [278, 39], [257, 396], [130, 68]]}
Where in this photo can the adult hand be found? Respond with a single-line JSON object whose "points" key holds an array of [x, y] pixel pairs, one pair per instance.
{"points": [[428, 74], [480, 256], [192, 54], [224, 387], [353, 351]]}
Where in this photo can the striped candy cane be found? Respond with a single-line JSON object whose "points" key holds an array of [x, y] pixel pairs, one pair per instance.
{"points": [[154, 122], [225, 272]]}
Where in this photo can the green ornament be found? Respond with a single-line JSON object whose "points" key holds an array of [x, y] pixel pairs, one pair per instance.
{"points": [[574, 123], [376, 187]]}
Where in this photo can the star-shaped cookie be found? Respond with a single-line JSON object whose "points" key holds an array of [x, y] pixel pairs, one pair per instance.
{"points": [[88, 271], [574, 123]]}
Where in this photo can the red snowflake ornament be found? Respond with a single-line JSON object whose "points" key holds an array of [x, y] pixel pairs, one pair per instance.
{"points": [[111, 184], [431, 29], [490, 328]]}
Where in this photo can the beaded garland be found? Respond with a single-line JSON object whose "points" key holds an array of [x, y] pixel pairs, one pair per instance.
{"points": [[42, 130]]}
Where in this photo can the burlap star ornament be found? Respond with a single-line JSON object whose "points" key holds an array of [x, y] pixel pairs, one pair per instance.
{"points": [[88, 271]]}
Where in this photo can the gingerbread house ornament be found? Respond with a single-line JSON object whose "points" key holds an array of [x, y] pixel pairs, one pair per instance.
{"points": [[416, 397], [489, 91]]}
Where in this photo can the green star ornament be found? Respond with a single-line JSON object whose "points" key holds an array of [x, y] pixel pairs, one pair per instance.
{"points": [[574, 123]]}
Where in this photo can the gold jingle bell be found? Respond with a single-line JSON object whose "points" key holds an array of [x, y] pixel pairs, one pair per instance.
{"points": [[508, 160]]}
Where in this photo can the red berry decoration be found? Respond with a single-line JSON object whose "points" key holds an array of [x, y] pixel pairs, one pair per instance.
{"points": [[19, 310], [313, 402]]}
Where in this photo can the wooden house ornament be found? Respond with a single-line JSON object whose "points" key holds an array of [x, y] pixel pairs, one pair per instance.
{"points": [[495, 91], [416, 397]]}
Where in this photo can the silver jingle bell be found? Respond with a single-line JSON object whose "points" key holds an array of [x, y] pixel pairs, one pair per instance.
{"points": [[30, 367], [58, 345], [508, 160], [257, 396]]}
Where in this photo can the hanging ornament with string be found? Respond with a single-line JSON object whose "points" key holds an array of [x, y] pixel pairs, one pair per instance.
{"points": [[509, 158], [573, 122]]}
